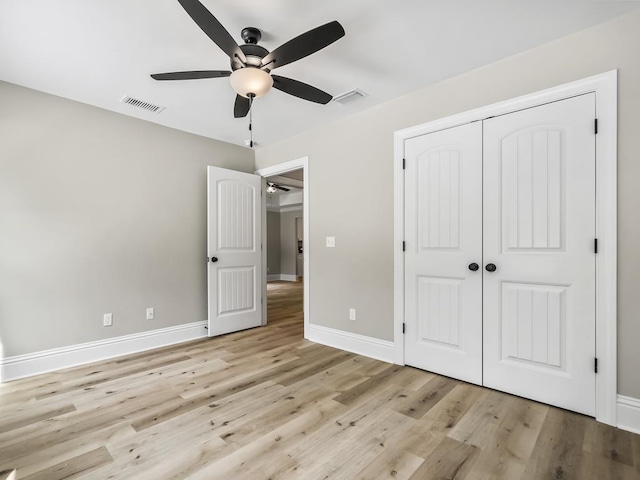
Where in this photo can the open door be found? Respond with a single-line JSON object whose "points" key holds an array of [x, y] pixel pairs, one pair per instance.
{"points": [[234, 238]]}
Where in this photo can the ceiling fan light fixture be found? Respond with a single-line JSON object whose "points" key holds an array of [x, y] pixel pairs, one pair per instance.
{"points": [[271, 188], [251, 81]]}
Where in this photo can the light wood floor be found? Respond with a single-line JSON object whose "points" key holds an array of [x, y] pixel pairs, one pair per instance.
{"points": [[266, 404]]}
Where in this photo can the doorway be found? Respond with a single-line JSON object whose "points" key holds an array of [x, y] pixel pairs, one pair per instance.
{"points": [[286, 241]]}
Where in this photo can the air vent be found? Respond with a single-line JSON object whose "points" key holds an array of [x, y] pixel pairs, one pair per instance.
{"points": [[350, 96], [135, 102]]}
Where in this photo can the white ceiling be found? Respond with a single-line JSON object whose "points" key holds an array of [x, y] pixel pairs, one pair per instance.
{"points": [[97, 51]]}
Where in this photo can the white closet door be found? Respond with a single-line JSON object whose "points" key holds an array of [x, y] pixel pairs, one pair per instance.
{"points": [[539, 227], [443, 234]]}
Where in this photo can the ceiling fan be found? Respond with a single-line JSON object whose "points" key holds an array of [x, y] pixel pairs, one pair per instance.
{"points": [[251, 64], [273, 187]]}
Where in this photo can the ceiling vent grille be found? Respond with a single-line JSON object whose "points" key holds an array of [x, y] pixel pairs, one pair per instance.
{"points": [[135, 102], [349, 97]]}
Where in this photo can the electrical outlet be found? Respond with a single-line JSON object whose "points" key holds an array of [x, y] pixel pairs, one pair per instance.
{"points": [[352, 314], [107, 319], [150, 313], [331, 242]]}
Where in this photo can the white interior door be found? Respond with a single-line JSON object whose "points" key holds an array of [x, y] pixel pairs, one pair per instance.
{"points": [[234, 249], [443, 235], [539, 228]]}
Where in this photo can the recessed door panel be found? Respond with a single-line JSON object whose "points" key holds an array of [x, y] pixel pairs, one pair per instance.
{"points": [[533, 324], [235, 219], [439, 199], [236, 290], [439, 311], [533, 189]]}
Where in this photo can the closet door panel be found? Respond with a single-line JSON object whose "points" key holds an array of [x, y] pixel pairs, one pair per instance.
{"points": [[539, 227], [443, 235]]}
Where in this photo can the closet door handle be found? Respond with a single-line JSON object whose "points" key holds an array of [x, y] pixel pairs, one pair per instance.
{"points": [[214, 259], [474, 267], [490, 267]]}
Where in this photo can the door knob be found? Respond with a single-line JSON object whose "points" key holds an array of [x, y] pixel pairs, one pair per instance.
{"points": [[474, 267], [214, 259], [490, 267]]}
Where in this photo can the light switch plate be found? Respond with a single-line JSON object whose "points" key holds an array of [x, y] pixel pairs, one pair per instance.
{"points": [[331, 242]]}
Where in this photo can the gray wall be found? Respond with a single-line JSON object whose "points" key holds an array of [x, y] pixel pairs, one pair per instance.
{"points": [[355, 155], [288, 242], [273, 243], [99, 213], [282, 247]]}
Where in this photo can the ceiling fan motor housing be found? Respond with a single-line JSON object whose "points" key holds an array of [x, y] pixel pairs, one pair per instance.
{"points": [[254, 53]]}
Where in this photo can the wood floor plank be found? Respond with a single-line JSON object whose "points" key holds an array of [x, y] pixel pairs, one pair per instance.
{"points": [[482, 419], [393, 464], [82, 464], [450, 460], [267, 404], [611, 443], [506, 454], [419, 403], [19, 421], [558, 451]]}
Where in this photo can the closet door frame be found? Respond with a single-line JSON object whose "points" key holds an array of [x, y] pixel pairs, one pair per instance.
{"points": [[605, 87]]}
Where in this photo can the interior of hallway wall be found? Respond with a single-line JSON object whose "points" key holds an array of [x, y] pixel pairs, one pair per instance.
{"points": [[99, 213], [358, 209], [282, 246], [288, 241], [273, 243]]}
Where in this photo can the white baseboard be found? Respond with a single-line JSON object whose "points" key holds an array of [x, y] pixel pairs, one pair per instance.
{"points": [[629, 414], [352, 342], [21, 366], [283, 277]]}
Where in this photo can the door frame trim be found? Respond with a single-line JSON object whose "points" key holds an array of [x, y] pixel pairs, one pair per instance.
{"points": [[278, 169], [605, 86]]}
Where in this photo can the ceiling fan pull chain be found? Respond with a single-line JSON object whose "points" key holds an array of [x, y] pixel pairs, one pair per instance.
{"points": [[251, 120]]}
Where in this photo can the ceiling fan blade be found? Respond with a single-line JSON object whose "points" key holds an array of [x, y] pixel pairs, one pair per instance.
{"points": [[282, 188], [191, 75], [304, 45], [213, 28], [241, 107], [300, 90]]}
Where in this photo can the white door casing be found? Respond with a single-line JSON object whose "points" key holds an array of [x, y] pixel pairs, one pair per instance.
{"points": [[443, 235], [278, 169], [539, 231], [234, 236]]}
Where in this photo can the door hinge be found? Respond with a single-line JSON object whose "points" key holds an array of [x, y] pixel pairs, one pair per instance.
{"points": [[403, 328], [595, 365], [404, 246], [595, 126], [595, 245], [404, 163]]}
